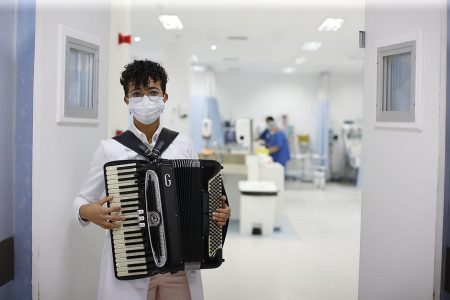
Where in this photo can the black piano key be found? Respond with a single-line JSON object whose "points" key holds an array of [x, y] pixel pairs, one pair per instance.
{"points": [[132, 224], [135, 237], [128, 200], [127, 205]]}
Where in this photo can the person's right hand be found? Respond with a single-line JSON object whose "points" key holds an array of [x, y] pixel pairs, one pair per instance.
{"points": [[102, 216]]}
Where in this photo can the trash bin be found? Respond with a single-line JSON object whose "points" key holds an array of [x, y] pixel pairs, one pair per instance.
{"points": [[258, 207]]}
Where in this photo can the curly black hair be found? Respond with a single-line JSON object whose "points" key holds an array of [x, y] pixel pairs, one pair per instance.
{"points": [[139, 72]]}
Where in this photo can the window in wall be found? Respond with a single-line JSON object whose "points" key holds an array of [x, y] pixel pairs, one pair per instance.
{"points": [[81, 79], [396, 83]]}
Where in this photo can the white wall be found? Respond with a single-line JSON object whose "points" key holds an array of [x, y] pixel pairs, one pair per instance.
{"points": [[175, 58], [119, 57], [176, 61], [260, 95], [65, 257], [401, 177]]}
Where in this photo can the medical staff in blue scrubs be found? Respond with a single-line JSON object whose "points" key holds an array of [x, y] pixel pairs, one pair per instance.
{"points": [[266, 133], [277, 143]]}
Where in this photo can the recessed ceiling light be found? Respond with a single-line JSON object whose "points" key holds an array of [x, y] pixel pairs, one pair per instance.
{"points": [[300, 60], [237, 38], [331, 24], [311, 46], [194, 58], [198, 68], [171, 22], [137, 38], [213, 47], [288, 70]]}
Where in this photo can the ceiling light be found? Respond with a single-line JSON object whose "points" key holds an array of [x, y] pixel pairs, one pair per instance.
{"points": [[288, 70], [311, 46], [213, 47], [300, 60], [171, 22], [198, 68], [237, 38], [137, 38], [331, 24], [194, 58]]}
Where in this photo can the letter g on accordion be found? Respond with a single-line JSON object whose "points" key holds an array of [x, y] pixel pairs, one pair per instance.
{"points": [[168, 205]]}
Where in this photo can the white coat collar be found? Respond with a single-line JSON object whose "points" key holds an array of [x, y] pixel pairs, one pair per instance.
{"points": [[143, 137]]}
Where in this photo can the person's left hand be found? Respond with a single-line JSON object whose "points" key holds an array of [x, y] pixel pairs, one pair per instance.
{"points": [[221, 215]]}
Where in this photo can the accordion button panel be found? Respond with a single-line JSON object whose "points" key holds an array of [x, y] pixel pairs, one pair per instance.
{"points": [[215, 231], [130, 255]]}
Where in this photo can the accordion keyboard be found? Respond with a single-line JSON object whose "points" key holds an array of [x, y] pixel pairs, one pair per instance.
{"points": [[130, 256]]}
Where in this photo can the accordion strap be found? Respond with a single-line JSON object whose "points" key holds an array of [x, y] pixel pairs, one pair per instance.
{"points": [[130, 140]]}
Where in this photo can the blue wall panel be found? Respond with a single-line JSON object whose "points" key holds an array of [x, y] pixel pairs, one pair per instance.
{"points": [[17, 34], [7, 32], [23, 147]]}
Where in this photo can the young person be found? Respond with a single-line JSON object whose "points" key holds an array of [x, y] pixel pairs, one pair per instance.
{"points": [[144, 83]]}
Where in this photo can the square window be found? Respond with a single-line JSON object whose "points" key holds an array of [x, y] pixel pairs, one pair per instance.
{"points": [[396, 83]]}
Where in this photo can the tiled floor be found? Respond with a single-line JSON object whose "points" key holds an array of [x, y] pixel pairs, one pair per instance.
{"points": [[314, 257]]}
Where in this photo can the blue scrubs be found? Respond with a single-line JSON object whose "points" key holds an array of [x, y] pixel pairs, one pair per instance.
{"points": [[279, 139], [265, 135]]}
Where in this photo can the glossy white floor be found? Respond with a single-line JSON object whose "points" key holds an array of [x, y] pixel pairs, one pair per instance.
{"points": [[314, 257]]}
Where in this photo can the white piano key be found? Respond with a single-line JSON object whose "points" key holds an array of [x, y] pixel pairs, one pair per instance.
{"points": [[114, 167], [122, 245], [120, 235], [127, 229], [130, 248], [133, 221], [130, 215], [120, 184], [122, 190], [123, 274], [132, 269], [127, 196], [121, 167], [130, 228], [125, 203], [140, 260], [131, 208], [118, 172], [110, 177], [131, 261], [124, 241]]}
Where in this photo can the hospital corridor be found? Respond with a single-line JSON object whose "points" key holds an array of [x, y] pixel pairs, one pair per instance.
{"points": [[224, 149]]}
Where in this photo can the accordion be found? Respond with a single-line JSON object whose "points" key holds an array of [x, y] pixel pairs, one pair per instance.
{"points": [[168, 206]]}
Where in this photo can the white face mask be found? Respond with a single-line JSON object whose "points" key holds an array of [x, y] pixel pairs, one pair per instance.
{"points": [[146, 109], [271, 125]]}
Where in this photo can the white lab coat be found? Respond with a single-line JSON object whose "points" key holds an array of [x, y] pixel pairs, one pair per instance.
{"points": [[94, 188]]}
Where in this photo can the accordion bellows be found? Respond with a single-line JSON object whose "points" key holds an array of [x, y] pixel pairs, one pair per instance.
{"points": [[168, 205]]}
